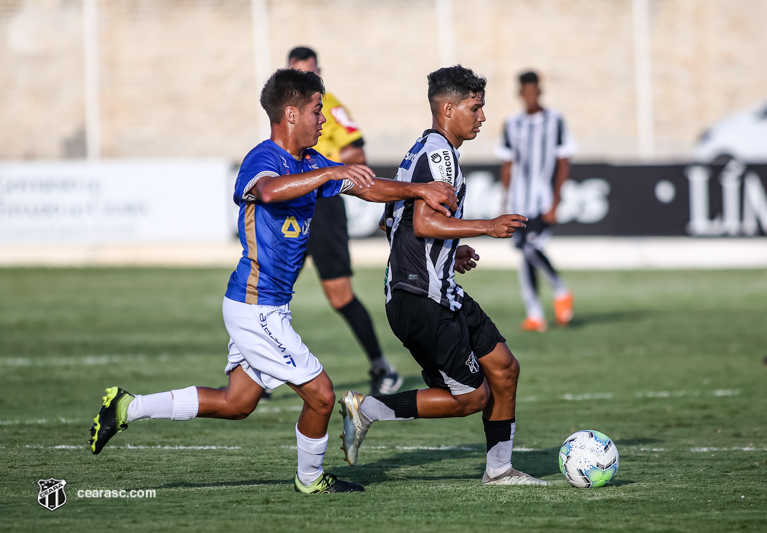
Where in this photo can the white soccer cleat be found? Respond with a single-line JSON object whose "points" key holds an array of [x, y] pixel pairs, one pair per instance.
{"points": [[512, 477], [355, 425]]}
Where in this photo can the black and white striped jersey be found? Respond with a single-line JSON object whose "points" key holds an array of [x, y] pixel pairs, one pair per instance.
{"points": [[533, 144], [417, 265]]}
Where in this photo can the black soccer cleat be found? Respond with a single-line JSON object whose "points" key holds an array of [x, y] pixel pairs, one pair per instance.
{"points": [[112, 418], [327, 483], [385, 381]]}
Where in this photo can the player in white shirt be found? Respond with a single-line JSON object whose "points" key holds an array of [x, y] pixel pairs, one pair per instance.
{"points": [[536, 150]]}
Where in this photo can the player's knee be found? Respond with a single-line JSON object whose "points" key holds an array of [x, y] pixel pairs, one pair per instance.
{"points": [[475, 401], [507, 376], [323, 401], [240, 411], [514, 369]]}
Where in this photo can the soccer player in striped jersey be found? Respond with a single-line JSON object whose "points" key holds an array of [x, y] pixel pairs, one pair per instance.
{"points": [[536, 151], [342, 141], [466, 363], [276, 190]]}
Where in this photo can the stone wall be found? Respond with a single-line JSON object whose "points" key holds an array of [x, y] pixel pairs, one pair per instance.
{"points": [[179, 78]]}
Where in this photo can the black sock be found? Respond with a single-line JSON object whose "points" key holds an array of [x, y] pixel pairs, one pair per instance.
{"points": [[359, 320], [497, 431], [404, 404]]}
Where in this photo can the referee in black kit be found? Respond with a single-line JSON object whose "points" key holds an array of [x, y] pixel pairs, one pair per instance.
{"points": [[341, 141]]}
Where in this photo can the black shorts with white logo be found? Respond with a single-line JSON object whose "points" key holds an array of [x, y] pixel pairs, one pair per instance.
{"points": [[446, 344], [534, 229], [329, 239]]}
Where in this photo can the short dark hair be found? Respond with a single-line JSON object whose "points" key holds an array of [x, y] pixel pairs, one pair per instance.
{"points": [[528, 77], [301, 53], [455, 83], [288, 87]]}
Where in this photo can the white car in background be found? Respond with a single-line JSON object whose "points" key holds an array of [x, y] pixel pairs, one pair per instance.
{"points": [[742, 136]]}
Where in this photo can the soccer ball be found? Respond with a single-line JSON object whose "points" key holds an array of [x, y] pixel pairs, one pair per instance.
{"points": [[588, 459]]}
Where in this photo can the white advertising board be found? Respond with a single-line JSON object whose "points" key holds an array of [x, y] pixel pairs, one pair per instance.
{"points": [[117, 201]]}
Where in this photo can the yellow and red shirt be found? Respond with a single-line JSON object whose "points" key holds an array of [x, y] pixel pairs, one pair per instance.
{"points": [[339, 131]]}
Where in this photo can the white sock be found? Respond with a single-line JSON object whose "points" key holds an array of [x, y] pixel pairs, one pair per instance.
{"points": [[499, 456], [186, 403], [170, 405], [311, 452]]}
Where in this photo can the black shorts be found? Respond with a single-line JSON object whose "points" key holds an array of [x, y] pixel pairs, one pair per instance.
{"points": [[534, 228], [329, 239], [445, 343]]}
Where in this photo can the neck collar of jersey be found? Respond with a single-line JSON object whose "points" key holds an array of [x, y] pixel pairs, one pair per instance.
{"points": [[282, 150], [432, 130]]}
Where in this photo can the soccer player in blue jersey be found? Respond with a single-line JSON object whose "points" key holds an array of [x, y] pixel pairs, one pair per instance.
{"points": [[276, 190]]}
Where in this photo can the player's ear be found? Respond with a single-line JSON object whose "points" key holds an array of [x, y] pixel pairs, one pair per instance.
{"points": [[291, 114], [447, 108]]}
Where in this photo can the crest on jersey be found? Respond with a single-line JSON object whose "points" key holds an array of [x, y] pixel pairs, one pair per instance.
{"points": [[51, 494], [442, 165], [472, 363]]}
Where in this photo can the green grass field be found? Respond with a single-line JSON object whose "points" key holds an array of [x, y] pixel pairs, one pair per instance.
{"points": [[668, 364]]}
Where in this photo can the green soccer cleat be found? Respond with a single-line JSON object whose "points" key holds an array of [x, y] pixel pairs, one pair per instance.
{"points": [[326, 484], [355, 425], [512, 477], [112, 419]]}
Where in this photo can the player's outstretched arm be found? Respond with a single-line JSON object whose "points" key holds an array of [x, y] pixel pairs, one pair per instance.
{"points": [[431, 224], [439, 196], [283, 188]]}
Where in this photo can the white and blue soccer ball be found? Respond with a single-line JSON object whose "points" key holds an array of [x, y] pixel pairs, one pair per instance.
{"points": [[588, 459]]}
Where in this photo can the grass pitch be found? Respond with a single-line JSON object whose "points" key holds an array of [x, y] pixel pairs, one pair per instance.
{"points": [[668, 364]]}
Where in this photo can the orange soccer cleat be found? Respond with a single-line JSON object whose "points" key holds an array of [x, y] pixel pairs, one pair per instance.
{"points": [[563, 309], [534, 324]]}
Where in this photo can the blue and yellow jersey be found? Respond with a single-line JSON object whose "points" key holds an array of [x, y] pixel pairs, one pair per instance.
{"points": [[339, 130], [274, 235]]}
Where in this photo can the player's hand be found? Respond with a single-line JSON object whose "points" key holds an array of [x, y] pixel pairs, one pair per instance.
{"points": [[504, 226], [550, 217], [437, 195], [360, 175], [465, 259]]}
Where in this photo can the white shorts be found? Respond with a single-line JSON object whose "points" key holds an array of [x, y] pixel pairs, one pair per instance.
{"points": [[264, 344]]}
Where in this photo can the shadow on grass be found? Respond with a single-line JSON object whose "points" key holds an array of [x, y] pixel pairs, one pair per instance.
{"points": [[635, 442], [244, 483], [591, 319], [537, 463]]}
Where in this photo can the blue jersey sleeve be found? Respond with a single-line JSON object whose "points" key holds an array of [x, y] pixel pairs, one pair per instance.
{"points": [[257, 163], [331, 188]]}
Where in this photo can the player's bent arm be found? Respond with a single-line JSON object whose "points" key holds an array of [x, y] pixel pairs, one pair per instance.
{"points": [[505, 182], [435, 194], [430, 224], [505, 174], [561, 175], [563, 172], [270, 189]]}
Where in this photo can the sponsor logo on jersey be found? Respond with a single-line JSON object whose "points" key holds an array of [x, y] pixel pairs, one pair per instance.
{"points": [[411, 155], [290, 228], [51, 495], [442, 165]]}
